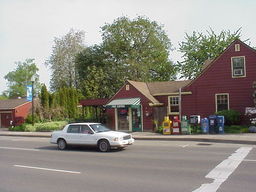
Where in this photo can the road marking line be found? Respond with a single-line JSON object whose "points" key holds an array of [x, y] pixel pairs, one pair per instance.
{"points": [[16, 148], [222, 171], [250, 160], [183, 146], [47, 169]]}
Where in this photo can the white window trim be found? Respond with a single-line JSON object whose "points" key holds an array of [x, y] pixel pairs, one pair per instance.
{"points": [[169, 106], [216, 95], [237, 47], [234, 76]]}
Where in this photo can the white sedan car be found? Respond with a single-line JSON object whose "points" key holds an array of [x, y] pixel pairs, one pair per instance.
{"points": [[94, 134]]}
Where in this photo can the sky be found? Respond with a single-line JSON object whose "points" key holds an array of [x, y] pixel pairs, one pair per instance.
{"points": [[28, 27]]}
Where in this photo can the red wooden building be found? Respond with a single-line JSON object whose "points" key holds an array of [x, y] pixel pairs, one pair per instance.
{"points": [[225, 83], [14, 111]]}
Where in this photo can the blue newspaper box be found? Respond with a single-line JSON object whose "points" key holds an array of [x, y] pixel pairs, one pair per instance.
{"points": [[213, 124], [220, 124], [205, 125]]}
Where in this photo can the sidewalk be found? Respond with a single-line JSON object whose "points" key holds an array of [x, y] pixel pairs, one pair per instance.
{"points": [[245, 138]]}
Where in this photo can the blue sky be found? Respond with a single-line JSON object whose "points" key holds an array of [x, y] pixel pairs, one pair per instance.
{"points": [[28, 27]]}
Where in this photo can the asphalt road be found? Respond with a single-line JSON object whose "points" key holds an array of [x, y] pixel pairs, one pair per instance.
{"points": [[33, 164]]}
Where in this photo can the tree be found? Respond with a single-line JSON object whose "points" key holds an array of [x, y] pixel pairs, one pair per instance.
{"points": [[62, 59], [21, 77], [96, 76], [138, 49], [44, 97], [132, 49], [199, 47]]}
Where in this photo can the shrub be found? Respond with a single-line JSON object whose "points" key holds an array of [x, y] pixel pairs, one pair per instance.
{"points": [[232, 117], [40, 127], [160, 129]]}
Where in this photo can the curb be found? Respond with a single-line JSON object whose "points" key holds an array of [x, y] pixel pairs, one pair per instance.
{"points": [[156, 138], [199, 140]]}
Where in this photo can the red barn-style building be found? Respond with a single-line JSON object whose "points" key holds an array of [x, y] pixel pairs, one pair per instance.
{"points": [[14, 111], [225, 83]]}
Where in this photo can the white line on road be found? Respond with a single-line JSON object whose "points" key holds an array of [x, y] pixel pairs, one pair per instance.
{"points": [[16, 148], [183, 146], [222, 171], [250, 160], [47, 169]]}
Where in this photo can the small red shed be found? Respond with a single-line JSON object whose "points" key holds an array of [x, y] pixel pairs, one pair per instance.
{"points": [[14, 111]]}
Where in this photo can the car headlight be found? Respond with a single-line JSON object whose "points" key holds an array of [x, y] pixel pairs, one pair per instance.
{"points": [[116, 139]]}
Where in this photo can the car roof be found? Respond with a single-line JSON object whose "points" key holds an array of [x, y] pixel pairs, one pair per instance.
{"points": [[84, 123]]}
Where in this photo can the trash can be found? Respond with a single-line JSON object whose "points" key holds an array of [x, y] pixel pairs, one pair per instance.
{"points": [[213, 124], [220, 124], [185, 127], [205, 125]]}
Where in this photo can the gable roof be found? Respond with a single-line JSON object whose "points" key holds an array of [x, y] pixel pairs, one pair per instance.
{"points": [[12, 103], [151, 89], [166, 87], [208, 63], [143, 88]]}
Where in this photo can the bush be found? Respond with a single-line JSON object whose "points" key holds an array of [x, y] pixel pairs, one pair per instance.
{"points": [[40, 127], [160, 129], [236, 129], [232, 117], [29, 119]]}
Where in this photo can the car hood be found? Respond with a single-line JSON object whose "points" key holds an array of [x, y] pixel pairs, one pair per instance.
{"points": [[113, 134]]}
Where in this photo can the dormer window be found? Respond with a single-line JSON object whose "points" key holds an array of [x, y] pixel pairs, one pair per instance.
{"points": [[238, 66]]}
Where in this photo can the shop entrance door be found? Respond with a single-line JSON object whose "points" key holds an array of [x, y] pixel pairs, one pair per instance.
{"points": [[123, 119], [136, 119]]}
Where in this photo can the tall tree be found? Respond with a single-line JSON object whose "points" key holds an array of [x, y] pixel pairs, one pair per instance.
{"points": [[199, 47], [22, 76], [96, 76], [139, 49], [62, 59]]}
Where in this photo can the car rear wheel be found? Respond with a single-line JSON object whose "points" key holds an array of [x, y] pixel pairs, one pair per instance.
{"points": [[104, 145], [62, 144]]}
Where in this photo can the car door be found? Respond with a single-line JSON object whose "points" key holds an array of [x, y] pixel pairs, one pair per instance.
{"points": [[73, 134], [87, 136]]}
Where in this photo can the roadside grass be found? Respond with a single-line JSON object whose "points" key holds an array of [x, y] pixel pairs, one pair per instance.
{"points": [[40, 127]]}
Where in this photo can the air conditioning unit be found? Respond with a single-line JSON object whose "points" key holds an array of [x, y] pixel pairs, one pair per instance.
{"points": [[238, 72]]}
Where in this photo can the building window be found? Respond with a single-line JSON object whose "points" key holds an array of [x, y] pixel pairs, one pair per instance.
{"points": [[222, 101], [127, 87], [237, 47], [238, 66], [174, 105]]}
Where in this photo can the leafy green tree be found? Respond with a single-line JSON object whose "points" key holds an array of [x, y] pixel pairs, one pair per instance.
{"points": [[199, 47], [132, 49], [97, 78], [138, 49], [62, 59], [21, 77]]}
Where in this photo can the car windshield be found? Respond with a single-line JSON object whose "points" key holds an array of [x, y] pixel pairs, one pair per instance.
{"points": [[99, 128]]}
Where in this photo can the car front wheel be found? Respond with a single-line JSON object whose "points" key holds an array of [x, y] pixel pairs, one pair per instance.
{"points": [[62, 144], [104, 145]]}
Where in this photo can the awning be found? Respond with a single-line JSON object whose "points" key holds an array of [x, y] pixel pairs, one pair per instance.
{"points": [[121, 103]]}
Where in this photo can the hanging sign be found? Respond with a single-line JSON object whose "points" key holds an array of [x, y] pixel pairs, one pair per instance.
{"points": [[29, 92]]}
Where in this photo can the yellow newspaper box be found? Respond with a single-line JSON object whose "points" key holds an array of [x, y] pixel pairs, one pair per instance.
{"points": [[167, 126]]}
